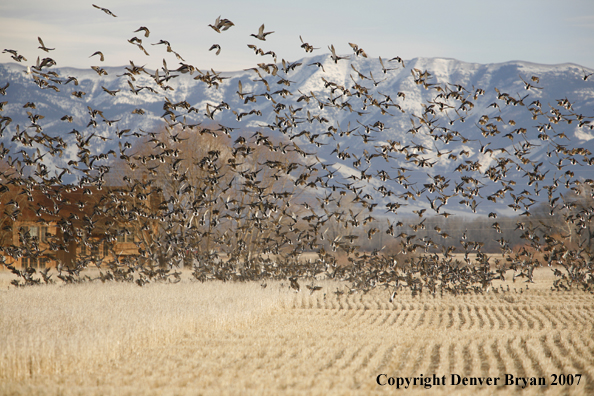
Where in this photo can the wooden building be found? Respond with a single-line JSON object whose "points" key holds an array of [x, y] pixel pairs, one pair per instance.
{"points": [[44, 226]]}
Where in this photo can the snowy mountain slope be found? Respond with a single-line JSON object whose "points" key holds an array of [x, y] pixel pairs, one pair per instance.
{"points": [[335, 101]]}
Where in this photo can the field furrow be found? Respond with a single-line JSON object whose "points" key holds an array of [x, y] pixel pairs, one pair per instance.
{"points": [[534, 314], [327, 343], [502, 366]]}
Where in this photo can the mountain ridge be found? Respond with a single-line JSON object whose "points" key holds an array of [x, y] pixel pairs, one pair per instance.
{"points": [[322, 84]]}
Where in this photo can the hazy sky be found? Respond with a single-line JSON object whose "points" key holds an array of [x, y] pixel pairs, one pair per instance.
{"points": [[541, 31]]}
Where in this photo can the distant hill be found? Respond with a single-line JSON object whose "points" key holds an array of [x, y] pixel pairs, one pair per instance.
{"points": [[461, 116]]}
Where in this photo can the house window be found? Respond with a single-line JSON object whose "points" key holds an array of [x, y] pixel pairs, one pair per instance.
{"points": [[43, 261], [44, 234], [41, 233], [32, 230], [125, 235], [29, 262], [95, 250]]}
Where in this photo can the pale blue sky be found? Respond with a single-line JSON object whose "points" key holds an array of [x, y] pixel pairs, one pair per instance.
{"points": [[541, 31]]}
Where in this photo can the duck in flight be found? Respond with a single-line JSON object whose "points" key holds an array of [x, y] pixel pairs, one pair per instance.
{"points": [[261, 35]]}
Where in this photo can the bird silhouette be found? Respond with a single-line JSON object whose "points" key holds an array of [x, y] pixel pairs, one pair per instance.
{"points": [[249, 199], [144, 29], [42, 46], [101, 57], [221, 25], [261, 34], [105, 10], [217, 47]]}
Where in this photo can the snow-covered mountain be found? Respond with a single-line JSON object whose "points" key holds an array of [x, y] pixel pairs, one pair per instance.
{"points": [[440, 117]]}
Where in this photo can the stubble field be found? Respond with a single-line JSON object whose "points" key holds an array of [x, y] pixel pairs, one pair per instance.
{"points": [[223, 338]]}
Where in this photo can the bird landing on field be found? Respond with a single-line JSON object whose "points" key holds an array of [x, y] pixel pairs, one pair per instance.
{"points": [[294, 284]]}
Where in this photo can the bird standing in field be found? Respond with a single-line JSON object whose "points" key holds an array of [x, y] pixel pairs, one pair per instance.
{"points": [[261, 35]]}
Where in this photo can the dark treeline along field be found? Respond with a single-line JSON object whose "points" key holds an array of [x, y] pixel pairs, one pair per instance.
{"points": [[245, 203]]}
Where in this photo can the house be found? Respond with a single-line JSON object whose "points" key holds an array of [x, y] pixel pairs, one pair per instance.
{"points": [[46, 225]]}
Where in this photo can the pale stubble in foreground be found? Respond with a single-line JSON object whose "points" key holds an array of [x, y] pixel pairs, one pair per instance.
{"points": [[237, 338]]}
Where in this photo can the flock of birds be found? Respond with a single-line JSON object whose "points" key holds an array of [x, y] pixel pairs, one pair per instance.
{"points": [[250, 210]]}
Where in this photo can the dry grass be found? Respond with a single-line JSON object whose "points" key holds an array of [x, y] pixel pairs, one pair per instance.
{"points": [[73, 329], [219, 338]]}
